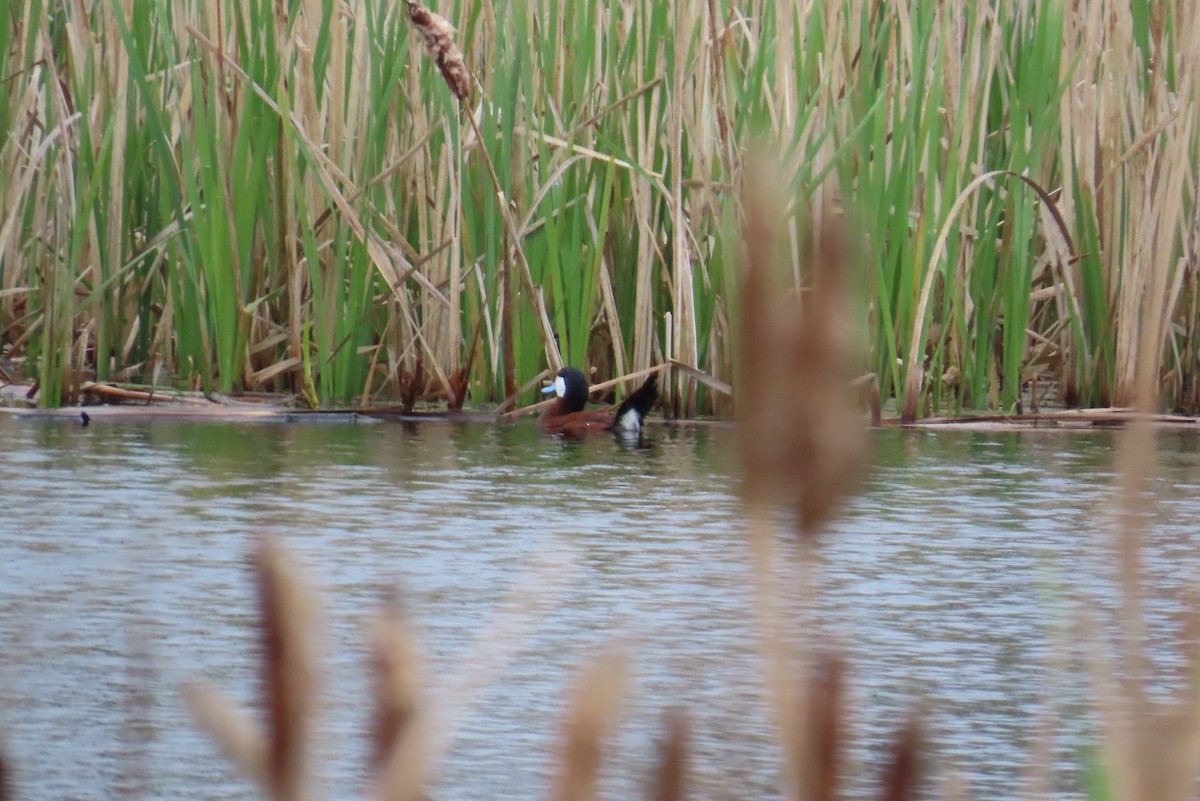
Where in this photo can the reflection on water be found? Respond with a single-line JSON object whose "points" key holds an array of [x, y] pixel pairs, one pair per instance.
{"points": [[952, 579]]}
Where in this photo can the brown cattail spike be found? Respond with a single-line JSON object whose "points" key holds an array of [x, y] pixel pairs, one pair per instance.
{"points": [[289, 669], [5, 790], [821, 765], [902, 771], [804, 445], [438, 35], [672, 763], [592, 715], [396, 675], [402, 738]]}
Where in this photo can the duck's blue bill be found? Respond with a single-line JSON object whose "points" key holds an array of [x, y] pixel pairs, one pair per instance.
{"points": [[547, 390]]}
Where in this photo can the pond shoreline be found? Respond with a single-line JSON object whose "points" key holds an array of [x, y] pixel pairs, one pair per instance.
{"points": [[195, 406]]}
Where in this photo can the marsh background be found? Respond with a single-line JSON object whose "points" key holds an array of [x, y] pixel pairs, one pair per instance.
{"points": [[287, 196]]}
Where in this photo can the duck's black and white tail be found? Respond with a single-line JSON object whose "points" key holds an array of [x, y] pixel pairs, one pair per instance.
{"points": [[630, 413]]}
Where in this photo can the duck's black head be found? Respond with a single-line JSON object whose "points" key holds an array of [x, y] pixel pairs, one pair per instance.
{"points": [[570, 385]]}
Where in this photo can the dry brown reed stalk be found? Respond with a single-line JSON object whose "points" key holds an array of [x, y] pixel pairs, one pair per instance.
{"points": [[819, 764], [803, 444], [400, 755], [595, 703], [5, 781], [289, 674], [902, 772], [671, 774], [1133, 128], [235, 733], [438, 35], [276, 758], [1151, 748], [804, 449]]}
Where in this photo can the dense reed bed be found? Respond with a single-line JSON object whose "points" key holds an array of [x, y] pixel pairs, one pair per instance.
{"points": [[288, 195]]}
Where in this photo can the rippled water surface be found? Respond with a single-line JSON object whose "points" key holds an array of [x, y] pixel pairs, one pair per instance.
{"points": [[953, 579]]}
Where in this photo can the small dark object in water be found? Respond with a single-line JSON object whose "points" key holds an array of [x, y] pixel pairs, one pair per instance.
{"points": [[84, 419], [566, 415]]}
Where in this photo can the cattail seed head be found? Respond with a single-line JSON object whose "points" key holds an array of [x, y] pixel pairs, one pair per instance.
{"points": [[438, 35]]}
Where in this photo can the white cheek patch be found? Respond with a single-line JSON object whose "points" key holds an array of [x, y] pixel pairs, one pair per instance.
{"points": [[560, 386]]}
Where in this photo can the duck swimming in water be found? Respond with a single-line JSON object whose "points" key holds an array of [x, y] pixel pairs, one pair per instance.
{"points": [[566, 414]]}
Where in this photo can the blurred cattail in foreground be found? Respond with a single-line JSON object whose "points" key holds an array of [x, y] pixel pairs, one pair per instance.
{"points": [[289, 678], [819, 764], [805, 447], [401, 738], [277, 757], [803, 440], [592, 716], [403, 758], [902, 771], [1149, 739], [5, 795], [670, 778], [438, 35]]}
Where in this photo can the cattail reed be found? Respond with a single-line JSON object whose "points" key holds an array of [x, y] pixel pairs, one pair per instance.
{"points": [[289, 672], [238, 737], [902, 772], [275, 756], [591, 716], [438, 35], [5, 790], [671, 774], [395, 672], [820, 763], [804, 444], [400, 753]]}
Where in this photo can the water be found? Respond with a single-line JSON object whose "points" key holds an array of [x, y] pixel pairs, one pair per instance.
{"points": [[953, 579]]}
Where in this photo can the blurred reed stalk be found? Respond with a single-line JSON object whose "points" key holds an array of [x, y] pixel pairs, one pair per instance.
{"points": [[5, 781], [670, 778], [255, 195], [1150, 740], [804, 450], [275, 755], [595, 703], [401, 760]]}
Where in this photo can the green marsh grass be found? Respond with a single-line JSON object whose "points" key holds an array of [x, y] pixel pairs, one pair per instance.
{"points": [[288, 196]]}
